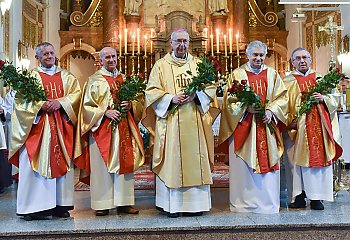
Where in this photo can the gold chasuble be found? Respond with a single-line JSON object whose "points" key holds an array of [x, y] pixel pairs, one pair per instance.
{"points": [[317, 136], [97, 98], [253, 141], [183, 151], [49, 141]]}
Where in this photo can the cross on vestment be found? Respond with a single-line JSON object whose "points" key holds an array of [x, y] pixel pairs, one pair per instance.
{"points": [[331, 28]]}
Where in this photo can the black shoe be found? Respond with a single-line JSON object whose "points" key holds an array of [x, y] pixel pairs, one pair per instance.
{"points": [[299, 201], [173, 215], [34, 216], [61, 214], [192, 214], [316, 205], [104, 212], [160, 209]]}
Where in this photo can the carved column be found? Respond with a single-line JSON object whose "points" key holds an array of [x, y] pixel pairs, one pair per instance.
{"points": [[240, 15], [110, 23]]}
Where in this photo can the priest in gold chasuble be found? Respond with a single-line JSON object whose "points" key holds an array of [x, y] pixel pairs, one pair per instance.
{"points": [[110, 155], [315, 136], [42, 139], [255, 151], [183, 151]]}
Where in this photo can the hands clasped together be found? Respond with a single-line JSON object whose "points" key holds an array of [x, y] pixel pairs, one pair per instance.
{"points": [[268, 114], [182, 99], [51, 106]]}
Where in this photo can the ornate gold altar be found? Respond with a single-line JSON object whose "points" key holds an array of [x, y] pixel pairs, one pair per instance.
{"points": [[140, 30]]}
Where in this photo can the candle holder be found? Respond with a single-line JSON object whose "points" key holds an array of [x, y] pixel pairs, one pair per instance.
{"points": [[138, 63], [151, 59], [126, 63], [226, 61], [145, 71], [238, 59], [231, 62], [120, 59], [133, 57]]}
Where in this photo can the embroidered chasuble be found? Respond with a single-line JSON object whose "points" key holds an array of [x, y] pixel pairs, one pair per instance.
{"points": [[316, 143], [49, 142], [126, 158], [183, 150], [253, 141]]}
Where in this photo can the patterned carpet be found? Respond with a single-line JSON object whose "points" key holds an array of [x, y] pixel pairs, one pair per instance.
{"points": [[144, 178]]}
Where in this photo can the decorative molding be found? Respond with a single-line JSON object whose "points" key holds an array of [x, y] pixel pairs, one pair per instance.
{"points": [[80, 19], [269, 19], [32, 22]]}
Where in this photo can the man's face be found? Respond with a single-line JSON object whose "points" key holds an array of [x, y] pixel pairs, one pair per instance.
{"points": [[301, 60], [109, 59], [180, 44], [47, 56], [256, 58]]}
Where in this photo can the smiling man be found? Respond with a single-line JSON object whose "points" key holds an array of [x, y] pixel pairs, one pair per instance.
{"points": [[41, 141], [183, 151], [254, 151], [315, 136]]}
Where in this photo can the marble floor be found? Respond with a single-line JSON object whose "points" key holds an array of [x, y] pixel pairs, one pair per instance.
{"points": [[83, 219]]}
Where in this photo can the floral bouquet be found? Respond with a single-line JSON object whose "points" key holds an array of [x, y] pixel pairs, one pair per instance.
{"points": [[27, 87], [248, 97], [323, 86], [127, 90], [207, 69]]}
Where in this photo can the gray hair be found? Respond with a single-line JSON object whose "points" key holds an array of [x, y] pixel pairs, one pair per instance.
{"points": [[173, 34], [256, 44], [102, 52], [299, 49], [40, 46]]}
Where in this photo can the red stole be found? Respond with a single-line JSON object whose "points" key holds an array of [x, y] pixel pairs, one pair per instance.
{"points": [[317, 154], [53, 86], [259, 84], [103, 136]]}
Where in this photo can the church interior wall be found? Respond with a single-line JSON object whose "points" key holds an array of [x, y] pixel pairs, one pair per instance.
{"points": [[295, 35], [345, 10], [81, 68]]}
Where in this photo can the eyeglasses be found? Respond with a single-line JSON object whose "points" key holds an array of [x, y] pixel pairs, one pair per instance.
{"points": [[298, 58], [179, 41]]}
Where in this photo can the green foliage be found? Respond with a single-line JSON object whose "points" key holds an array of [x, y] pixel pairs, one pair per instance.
{"points": [[248, 97], [27, 87], [127, 90], [323, 86]]}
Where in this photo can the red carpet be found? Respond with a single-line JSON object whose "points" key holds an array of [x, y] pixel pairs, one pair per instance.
{"points": [[144, 178]]}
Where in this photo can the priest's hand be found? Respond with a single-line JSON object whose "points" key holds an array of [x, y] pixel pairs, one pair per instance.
{"points": [[126, 105], [318, 96], [113, 115], [268, 116], [53, 105], [253, 109], [179, 99], [293, 125], [189, 98]]}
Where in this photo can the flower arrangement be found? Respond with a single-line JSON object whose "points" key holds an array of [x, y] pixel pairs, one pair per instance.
{"points": [[245, 94], [27, 87], [324, 86], [128, 90]]}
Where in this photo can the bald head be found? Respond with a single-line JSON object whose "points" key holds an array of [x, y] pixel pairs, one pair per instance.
{"points": [[108, 58]]}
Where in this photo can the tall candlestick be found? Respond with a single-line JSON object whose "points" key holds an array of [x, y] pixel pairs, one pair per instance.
{"points": [[133, 44], [237, 43], [230, 39], [145, 45], [217, 40], [206, 40], [225, 45], [126, 40], [138, 40], [212, 44], [120, 45]]}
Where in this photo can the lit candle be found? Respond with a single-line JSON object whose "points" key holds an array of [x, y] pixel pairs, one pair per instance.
{"points": [[133, 44], [151, 40], [206, 40], [125, 40], [120, 45], [217, 40], [225, 45], [212, 44], [145, 45], [230, 39], [138, 40], [237, 43]]}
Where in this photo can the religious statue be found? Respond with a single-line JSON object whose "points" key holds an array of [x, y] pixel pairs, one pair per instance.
{"points": [[218, 7], [132, 7]]}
